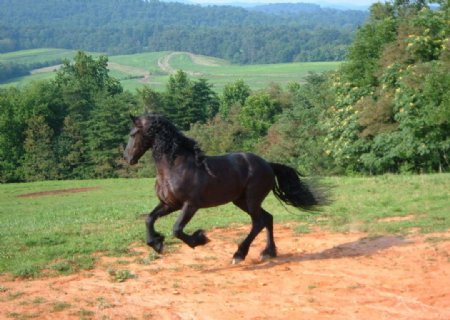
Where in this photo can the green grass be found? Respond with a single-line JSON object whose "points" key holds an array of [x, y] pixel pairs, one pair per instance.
{"points": [[36, 55], [257, 76], [58, 234], [130, 69]]}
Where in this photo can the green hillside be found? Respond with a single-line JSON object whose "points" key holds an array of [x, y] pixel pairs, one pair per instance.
{"points": [[133, 26], [43, 55], [153, 68]]}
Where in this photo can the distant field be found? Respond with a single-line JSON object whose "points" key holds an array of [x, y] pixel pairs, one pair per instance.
{"points": [[153, 69], [60, 232], [36, 55]]}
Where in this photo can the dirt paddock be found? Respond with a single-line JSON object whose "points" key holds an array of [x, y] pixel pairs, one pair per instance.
{"points": [[319, 275]]}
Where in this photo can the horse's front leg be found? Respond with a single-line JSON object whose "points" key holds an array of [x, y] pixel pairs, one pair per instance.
{"points": [[198, 237], [155, 239]]}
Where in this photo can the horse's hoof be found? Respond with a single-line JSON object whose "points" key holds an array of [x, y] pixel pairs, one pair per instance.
{"points": [[265, 257], [236, 261], [157, 244], [200, 238], [158, 247], [268, 254]]}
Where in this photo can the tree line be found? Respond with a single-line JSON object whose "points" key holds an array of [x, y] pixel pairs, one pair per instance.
{"points": [[387, 109], [130, 26]]}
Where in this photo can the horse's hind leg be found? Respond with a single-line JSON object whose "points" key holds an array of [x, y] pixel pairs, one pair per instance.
{"points": [[270, 251], [258, 223]]}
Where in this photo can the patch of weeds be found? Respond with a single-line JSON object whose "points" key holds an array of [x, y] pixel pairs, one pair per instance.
{"points": [[122, 252], [60, 306], [28, 271], [62, 267], [312, 286], [437, 239], [14, 295], [74, 264], [120, 275], [85, 314], [302, 229], [102, 303], [152, 256], [84, 262], [38, 300], [22, 316], [3, 289]]}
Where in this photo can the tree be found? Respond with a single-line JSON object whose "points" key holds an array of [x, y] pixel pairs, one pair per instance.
{"points": [[297, 137], [39, 162], [72, 149], [153, 101], [107, 129], [233, 94], [178, 93], [259, 113], [11, 137], [188, 102], [204, 101]]}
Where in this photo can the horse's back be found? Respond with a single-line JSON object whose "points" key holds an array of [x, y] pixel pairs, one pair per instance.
{"points": [[248, 168]]}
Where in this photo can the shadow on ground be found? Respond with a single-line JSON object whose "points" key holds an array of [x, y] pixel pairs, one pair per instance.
{"points": [[365, 246]]}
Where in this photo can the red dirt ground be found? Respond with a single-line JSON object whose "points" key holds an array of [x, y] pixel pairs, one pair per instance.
{"points": [[319, 275], [56, 192]]}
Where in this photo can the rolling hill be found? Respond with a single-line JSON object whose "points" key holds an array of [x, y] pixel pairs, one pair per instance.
{"points": [[133, 26], [154, 68]]}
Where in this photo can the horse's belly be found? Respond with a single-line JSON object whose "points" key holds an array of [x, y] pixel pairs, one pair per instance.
{"points": [[221, 193]]}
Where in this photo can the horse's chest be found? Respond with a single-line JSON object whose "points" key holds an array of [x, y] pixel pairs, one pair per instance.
{"points": [[172, 191]]}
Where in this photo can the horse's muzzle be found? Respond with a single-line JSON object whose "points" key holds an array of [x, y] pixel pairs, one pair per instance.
{"points": [[129, 159]]}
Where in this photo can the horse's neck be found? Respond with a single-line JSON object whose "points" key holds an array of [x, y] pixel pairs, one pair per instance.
{"points": [[166, 167]]}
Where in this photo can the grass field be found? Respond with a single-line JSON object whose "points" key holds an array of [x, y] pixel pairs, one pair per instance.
{"points": [[36, 55], [153, 69], [61, 233]]}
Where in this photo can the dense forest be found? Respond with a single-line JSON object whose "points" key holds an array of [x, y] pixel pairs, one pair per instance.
{"points": [[310, 33], [387, 109]]}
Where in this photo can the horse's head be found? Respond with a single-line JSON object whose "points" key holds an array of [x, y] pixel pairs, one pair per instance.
{"points": [[139, 141]]}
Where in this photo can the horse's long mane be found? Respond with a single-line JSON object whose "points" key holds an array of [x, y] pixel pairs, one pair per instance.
{"points": [[170, 141]]}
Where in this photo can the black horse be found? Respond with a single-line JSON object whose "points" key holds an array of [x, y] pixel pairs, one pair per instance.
{"points": [[188, 180]]}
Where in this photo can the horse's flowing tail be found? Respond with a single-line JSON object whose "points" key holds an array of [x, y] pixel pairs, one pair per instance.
{"points": [[290, 189]]}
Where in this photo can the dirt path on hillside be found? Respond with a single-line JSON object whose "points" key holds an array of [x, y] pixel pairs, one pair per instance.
{"points": [[164, 63], [319, 275]]}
